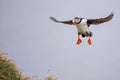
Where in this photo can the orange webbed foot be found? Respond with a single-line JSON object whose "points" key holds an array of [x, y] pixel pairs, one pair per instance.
{"points": [[89, 41], [79, 41]]}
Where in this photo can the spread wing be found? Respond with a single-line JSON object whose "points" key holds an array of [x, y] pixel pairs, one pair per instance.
{"points": [[65, 22], [100, 20]]}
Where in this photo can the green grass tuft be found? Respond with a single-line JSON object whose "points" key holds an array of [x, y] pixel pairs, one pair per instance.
{"points": [[9, 70]]}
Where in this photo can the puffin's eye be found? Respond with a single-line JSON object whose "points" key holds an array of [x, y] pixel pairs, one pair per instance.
{"points": [[78, 20]]}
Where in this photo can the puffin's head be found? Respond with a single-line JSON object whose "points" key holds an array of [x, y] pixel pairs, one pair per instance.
{"points": [[76, 20]]}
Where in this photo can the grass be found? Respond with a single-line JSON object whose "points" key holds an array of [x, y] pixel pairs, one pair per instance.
{"points": [[9, 70]]}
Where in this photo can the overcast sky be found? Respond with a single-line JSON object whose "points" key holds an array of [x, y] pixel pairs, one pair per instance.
{"points": [[37, 44]]}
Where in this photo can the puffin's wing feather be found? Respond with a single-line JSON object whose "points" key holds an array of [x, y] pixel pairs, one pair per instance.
{"points": [[101, 20], [65, 22]]}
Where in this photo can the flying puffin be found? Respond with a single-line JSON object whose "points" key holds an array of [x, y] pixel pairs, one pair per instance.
{"points": [[83, 24]]}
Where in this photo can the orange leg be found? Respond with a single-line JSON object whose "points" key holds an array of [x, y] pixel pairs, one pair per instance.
{"points": [[89, 40], [79, 40]]}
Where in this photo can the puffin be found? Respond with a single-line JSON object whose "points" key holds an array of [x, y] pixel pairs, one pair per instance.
{"points": [[83, 24]]}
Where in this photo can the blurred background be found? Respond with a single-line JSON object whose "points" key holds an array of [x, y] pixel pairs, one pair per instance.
{"points": [[37, 44]]}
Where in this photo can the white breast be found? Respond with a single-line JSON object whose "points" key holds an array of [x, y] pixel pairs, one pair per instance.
{"points": [[82, 27]]}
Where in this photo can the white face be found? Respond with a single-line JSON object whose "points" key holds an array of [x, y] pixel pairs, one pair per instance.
{"points": [[76, 20]]}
